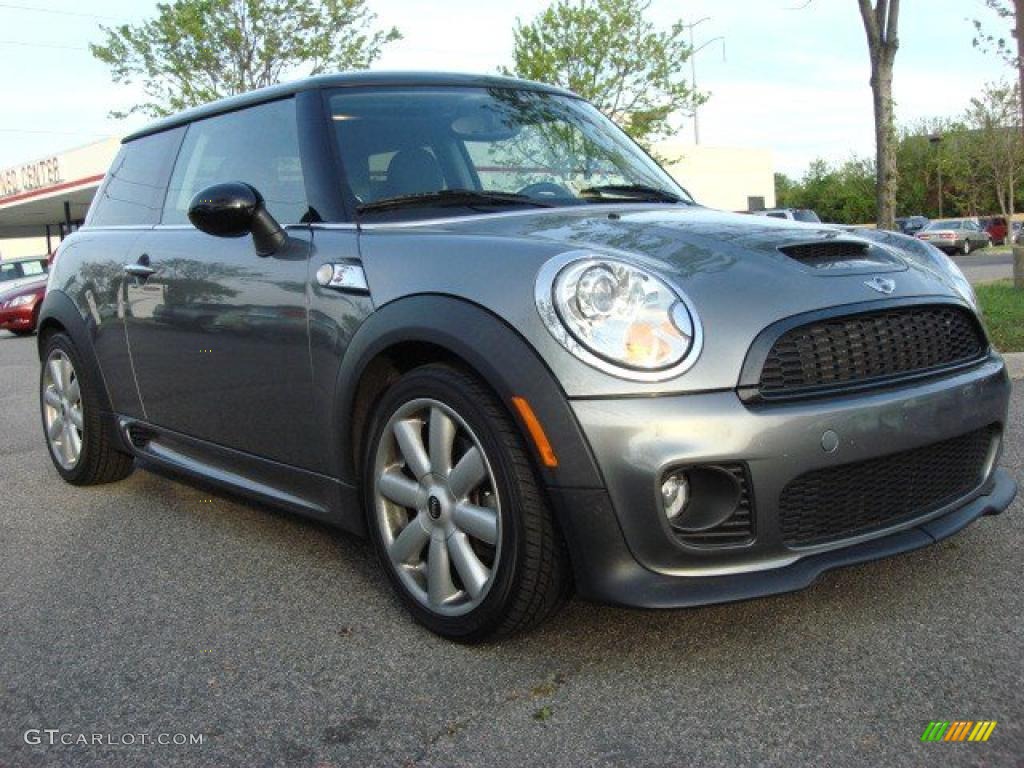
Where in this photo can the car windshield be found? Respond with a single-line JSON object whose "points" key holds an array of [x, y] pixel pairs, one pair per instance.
{"points": [[948, 224], [802, 214], [417, 149]]}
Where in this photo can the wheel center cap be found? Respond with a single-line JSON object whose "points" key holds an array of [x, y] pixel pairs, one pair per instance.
{"points": [[434, 507]]}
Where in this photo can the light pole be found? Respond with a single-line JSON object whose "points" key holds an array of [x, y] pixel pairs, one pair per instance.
{"points": [[693, 69], [936, 140]]}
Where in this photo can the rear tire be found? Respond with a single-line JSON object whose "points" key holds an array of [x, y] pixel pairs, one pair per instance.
{"points": [[965, 249], [80, 447], [466, 539]]}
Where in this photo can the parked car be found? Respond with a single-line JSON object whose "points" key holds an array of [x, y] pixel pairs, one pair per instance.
{"points": [[15, 271], [955, 235], [19, 305], [792, 214], [996, 228], [468, 317], [913, 224]]}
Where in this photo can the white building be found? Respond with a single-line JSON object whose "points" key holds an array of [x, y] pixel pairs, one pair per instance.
{"points": [[729, 178]]}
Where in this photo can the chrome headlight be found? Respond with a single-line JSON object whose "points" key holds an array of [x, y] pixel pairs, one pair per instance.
{"points": [[618, 317]]}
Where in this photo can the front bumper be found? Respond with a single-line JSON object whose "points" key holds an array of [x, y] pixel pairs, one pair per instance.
{"points": [[18, 319], [624, 551]]}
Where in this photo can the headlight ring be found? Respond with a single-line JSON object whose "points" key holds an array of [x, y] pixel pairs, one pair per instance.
{"points": [[618, 316]]}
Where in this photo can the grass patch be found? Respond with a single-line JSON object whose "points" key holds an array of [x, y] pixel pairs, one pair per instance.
{"points": [[1004, 314]]}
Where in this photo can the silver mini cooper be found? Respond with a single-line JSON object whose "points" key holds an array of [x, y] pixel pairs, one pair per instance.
{"points": [[470, 318]]}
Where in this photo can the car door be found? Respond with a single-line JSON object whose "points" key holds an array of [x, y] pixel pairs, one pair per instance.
{"points": [[218, 335]]}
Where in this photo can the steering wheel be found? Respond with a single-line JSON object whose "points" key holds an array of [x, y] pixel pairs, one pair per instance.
{"points": [[543, 189]]}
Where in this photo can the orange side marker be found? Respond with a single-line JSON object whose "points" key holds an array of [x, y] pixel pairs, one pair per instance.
{"points": [[540, 440]]}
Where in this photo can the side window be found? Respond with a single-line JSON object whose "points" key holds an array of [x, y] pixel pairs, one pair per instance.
{"points": [[9, 272], [29, 268], [133, 191], [258, 145]]}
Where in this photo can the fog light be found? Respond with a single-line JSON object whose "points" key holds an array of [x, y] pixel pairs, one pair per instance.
{"points": [[675, 493]]}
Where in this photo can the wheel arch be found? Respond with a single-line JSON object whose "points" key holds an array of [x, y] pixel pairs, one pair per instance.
{"points": [[58, 314], [428, 328]]}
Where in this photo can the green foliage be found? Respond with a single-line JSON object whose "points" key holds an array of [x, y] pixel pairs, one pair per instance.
{"points": [[1001, 44], [843, 193], [609, 53], [1004, 314], [195, 51]]}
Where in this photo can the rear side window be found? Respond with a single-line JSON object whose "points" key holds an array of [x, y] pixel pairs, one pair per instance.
{"points": [[133, 192], [258, 145], [30, 268]]}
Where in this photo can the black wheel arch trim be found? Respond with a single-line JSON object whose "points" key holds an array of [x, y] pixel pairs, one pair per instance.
{"points": [[493, 350], [59, 307]]}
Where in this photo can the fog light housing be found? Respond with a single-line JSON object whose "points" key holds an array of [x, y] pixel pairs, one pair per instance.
{"points": [[675, 495]]}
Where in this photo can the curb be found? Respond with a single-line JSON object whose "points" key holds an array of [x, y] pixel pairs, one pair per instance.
{"points": [[1014, 364]]}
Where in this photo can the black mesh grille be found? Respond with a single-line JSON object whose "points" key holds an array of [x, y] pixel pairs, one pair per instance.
{"points": [[738, 529], [825, 253], [844, 501], [857, 349]]}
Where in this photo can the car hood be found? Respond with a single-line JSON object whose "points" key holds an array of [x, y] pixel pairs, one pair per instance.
{"points": [[20, 287], [700, 249], [730, 266]]}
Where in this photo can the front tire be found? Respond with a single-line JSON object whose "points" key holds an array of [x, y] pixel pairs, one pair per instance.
{"points": [[79, 446], [965, 249], [455, 511]]}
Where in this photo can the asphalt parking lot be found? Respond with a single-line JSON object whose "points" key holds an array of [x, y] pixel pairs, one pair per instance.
{"points": [[987, 265], [152, 607]]}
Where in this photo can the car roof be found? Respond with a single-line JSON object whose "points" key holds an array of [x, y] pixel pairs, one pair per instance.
{"points": [[341, 80]]}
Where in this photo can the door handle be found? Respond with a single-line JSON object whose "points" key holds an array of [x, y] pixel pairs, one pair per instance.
{"points": [[141, 268]]}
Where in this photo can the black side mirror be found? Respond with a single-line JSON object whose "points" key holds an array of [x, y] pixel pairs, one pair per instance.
{"points": [[236, 209]]}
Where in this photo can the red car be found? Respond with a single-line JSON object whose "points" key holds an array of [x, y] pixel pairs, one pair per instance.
{"points": [[19, 307], [996, 228]]}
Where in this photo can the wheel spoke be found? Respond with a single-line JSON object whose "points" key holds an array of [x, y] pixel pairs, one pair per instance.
{"points": [[442, 440], [408, 432], [467, 474], [74, 443], [472, 572], [400, 489], [439, 575], [479, 522], [67, 371], [56, 428], [65, 443], [51, 398], [75, 413], [408, 545], [57, 376]]}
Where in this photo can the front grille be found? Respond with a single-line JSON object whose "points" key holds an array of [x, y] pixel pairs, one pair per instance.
{"points": [[738, 528], [835, 353], [852, 499]]}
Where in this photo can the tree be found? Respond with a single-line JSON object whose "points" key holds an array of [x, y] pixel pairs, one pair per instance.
{"points": [[609, 53], [195, 51], [880, 25], [995, 115], [1012, 12]]}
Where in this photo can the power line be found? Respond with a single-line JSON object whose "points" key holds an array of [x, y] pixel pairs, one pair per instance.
{"points": [[61, 46], [55, 11]]}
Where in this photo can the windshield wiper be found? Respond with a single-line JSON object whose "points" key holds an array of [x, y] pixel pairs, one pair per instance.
{"points": [[638, 192], [452, 197]]}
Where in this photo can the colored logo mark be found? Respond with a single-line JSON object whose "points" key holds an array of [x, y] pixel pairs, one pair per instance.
{"points": [[958, 730]]}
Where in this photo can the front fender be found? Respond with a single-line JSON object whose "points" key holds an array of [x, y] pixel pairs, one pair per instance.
{"points": [[491, 348]]}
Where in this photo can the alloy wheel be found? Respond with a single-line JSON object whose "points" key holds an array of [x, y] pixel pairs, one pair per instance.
{"points": [[63, 417], [436, 504]]}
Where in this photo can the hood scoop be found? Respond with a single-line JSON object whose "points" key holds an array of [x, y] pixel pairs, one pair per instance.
{"points": [[843, 255]]}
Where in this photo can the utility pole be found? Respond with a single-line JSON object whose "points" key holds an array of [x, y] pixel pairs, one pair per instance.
{"points": [[693, 69]]}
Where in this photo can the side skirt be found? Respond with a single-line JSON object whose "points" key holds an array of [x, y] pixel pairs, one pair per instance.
{"points": [[278, 485]]}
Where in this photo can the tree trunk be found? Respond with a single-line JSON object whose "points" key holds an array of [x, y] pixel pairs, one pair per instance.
{"points": [[1018, 5], [885, 156], [880, 25]]}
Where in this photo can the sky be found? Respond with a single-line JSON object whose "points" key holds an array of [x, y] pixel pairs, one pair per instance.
{"points": [[792, 79]]}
